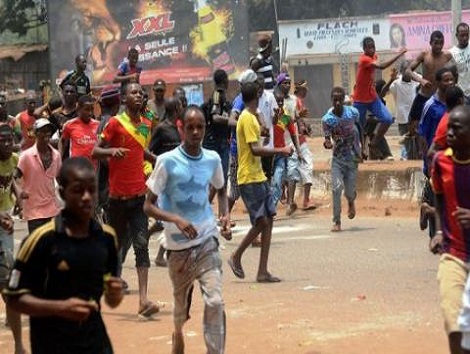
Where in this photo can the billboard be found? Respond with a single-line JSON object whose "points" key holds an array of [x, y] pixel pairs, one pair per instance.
{"points": [[413, 30], [177, 40], [330, 36]]}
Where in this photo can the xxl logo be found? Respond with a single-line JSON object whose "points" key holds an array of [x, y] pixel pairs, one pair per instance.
{"points": [[151, 25]]}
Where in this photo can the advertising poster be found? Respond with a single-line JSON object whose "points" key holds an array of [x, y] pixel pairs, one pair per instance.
{"points": [[413, 30], [332, 35], [177, 40]]}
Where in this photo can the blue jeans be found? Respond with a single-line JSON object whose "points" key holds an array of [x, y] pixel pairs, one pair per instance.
{"points": [[343, 175], [377, 108], [128, 219], [279, 173]]}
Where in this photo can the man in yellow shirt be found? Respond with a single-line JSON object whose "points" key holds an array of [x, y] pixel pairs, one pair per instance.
{"points": [[254, 188]]}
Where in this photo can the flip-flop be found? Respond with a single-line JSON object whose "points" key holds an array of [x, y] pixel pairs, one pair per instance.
{"points": [[309, 207], [268, 279], [239, 273], [149, 309]]}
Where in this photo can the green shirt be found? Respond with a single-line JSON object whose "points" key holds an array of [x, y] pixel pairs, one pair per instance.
{"points": [[7, 169]]}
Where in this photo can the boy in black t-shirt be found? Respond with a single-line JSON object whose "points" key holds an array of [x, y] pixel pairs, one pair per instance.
{"points": [[64, 267]]}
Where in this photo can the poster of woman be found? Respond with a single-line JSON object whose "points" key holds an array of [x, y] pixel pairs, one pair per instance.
{"points": [[397, 36]]}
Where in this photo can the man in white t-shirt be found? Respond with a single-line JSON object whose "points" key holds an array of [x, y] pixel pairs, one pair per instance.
{"points": [[267, 107], [178, 196], [461, 55], [403, 90]]}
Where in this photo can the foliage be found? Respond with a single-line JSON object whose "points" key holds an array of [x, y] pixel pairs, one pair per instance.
{"points": [[22, 21]]}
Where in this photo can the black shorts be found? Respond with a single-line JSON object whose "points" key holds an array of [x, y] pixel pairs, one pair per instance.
{"points": [[417, 107]]}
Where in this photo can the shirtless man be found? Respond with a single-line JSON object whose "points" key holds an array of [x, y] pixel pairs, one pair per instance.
{"points": [[432, 60]]}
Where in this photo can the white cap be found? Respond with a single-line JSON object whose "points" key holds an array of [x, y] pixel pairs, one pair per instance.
{"points": [[247, 76], [41, 123]]}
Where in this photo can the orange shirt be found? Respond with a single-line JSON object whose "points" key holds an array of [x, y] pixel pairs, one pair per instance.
{"points": [[126, 175], [364, 90], [82, 137], [27, 129]]}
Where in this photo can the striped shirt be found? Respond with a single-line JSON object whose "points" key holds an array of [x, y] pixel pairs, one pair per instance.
{"points": [[451, 179], [266, 68]]}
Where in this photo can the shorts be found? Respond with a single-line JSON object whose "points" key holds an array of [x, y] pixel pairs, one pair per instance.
{"points": [[452, 276], [377, 108], [6, 256], [258, 200], [306, 166], [417, 106]]}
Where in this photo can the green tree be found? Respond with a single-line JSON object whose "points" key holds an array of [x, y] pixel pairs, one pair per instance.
{"points": [[18, 16], [23, 21]]}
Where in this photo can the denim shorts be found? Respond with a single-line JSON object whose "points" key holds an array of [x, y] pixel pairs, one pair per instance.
{"points": [[377, 108], [258, 200]]}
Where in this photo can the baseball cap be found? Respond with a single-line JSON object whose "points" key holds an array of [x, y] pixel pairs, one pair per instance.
{"points": [[41, 123], [282, 77], [159, 84], [247, 76]]}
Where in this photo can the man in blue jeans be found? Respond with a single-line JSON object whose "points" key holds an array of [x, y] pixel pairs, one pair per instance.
{"points": [[341, 123]]}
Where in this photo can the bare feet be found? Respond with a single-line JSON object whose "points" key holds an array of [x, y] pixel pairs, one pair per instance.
{"points": [[336, 227], [148, 309], [291, 209], [351, 210]]}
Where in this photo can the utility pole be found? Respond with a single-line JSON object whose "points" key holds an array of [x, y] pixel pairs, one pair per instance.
{"points": [[456, 16]]}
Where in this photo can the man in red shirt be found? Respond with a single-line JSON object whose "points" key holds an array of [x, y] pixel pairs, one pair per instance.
{"points": [[124, 141], [450, 181], [25, 120], [81, 131], [365, 95]]}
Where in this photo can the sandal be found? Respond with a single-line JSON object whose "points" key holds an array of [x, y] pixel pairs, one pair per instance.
{"points": [[148, 310], [239, 273], [306, 207], [268, 279]]}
